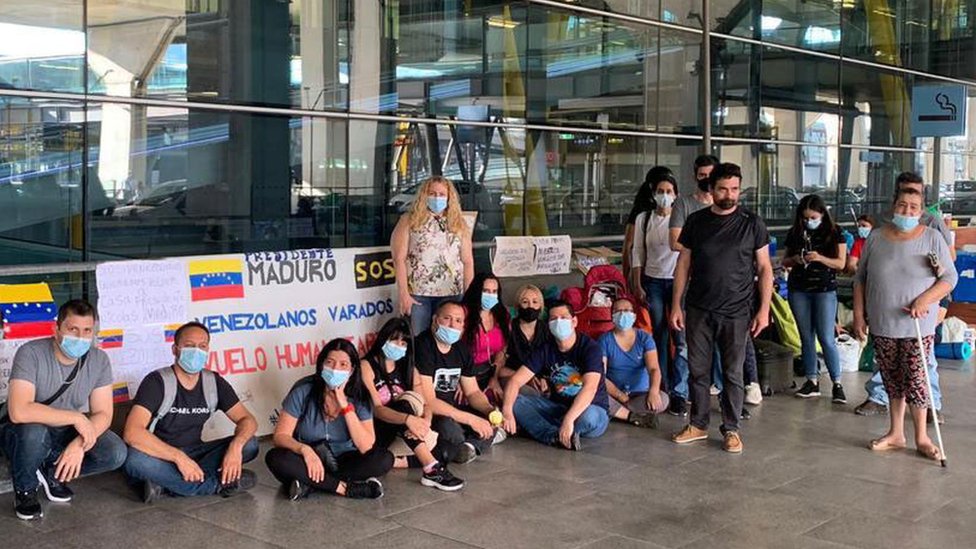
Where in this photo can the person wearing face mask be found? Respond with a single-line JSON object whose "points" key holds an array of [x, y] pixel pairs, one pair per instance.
{"points": [[486, 333], [577, 404], [865, 223], [395, 388], [633, 375], [723, 250], [432, 253], [445, 366], [325, 440], [54, 426], [815, 253], [529, 333], [905, 269], [653, 277], [643, 201], [163, 430]]}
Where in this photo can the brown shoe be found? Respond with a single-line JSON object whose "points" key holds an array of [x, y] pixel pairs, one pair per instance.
{"points": [[733, 443], [689, 434], [871, 408]]}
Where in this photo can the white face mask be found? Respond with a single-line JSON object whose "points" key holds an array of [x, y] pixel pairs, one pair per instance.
{"points": [[664, 200]]}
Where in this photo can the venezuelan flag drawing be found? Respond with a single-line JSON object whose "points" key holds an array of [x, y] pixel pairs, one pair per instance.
{"points": [[120, 392], [110, 339], [28, 310], [169, 331], [216, 279]]}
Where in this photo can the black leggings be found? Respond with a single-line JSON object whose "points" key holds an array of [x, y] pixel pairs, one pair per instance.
{"points": [[386, 433], [287, 466]]}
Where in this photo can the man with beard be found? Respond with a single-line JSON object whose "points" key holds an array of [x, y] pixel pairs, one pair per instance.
{"points": [[723, 249]]}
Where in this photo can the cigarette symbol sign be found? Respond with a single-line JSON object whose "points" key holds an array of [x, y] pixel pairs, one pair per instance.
{"points": [[938, 111]]}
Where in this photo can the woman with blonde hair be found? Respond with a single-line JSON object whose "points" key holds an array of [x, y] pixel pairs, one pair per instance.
{"points": [[431, 247]]}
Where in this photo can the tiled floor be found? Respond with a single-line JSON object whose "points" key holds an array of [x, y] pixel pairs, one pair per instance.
{"points": [[806, 480]]}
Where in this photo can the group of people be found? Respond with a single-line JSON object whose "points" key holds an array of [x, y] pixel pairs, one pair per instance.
{"points": [[461, 371]]}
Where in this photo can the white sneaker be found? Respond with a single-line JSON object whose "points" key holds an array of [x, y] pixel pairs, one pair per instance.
{"points": [[500, 436], [714, 391], [753, 394]]}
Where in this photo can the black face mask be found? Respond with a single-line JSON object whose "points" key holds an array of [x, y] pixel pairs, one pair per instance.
{"points": [[528, 314], [703, 185]]}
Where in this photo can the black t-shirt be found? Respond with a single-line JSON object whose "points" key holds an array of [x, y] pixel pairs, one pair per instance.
{"points": [[445, 368], [564, 371], [813, 277], [520, 349], [181, 427], [390, 385], [723, 260]]}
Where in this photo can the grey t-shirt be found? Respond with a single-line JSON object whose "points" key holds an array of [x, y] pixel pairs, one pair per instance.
{"points": [[36, 363], [897, 272], [684, 206]]}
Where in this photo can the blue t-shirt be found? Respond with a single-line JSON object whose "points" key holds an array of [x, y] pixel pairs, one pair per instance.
{"points": [[565, 371], [626, 368], [313, 427]]}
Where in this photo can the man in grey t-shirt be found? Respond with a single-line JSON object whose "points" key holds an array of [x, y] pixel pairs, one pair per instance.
{"points": [[52, 439]]}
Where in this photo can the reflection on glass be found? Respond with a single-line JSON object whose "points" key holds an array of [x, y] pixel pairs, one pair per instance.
{"points": [[42, 49], [809, 25], [676, 12]]}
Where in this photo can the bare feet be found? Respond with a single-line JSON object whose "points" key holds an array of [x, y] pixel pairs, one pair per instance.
{"points": [[925, 448], [888, 442]]}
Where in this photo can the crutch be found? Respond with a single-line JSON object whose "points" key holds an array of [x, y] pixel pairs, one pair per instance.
{"points": [[928, 389]]}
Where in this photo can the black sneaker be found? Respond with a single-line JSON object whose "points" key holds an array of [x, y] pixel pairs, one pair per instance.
{"points": [[810, 389], [442, 479], [870, 408], [297, 490], [838, 396], [329, 460], [26, 505], [647, 420], [746, 414], [466, 453], [575, 443], [678, 407], [151, 491], [928, 417], [247, 481], [54, 489], [370, 488]]}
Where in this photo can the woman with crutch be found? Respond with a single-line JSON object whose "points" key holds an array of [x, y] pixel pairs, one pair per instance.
{"points": [[904, 271]]}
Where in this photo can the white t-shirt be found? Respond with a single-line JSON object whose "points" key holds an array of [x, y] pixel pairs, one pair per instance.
{"points": [[655, 255]]}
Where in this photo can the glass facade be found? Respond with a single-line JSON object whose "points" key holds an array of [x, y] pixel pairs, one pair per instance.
{"points": [[153, 128]]}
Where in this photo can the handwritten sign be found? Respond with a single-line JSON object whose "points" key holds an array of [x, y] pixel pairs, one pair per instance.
{"points": [[531, 255], [142, 292], [8, 348]]}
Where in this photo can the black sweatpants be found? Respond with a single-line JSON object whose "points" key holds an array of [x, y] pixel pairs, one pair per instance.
{"points": [[705, 331], [386, 433], [287, 466]]}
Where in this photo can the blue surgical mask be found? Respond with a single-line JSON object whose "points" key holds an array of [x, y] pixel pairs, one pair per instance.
{"points": [[904, 223], [624, 320], [393, 351], [74, 347], [448, 336], [863, 232], [664, 200], [192, 360], [561, 328], [814, 224], [488, 301], [335, 378], [437, 204]]}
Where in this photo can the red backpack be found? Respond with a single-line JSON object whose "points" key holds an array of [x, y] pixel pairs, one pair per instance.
{"points": [[593, 303]]}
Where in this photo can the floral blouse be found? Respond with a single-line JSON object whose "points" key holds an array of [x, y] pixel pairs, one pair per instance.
{"points": [[434, 267]]}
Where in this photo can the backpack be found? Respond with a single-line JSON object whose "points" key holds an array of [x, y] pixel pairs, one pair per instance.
{"points": [[207, 377], [593, 303]]}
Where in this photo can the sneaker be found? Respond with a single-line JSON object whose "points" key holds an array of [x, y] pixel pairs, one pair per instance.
{"points": [[26, 505], [746, 414], [370, 488], [151, 491], [753, 394], [576, 442], [297, 490], [442, 479], [647, 420], [329, 460], [732, 443], [928, 417], [689, 434], [871, 408], [713, 390], [678, 407], [500, 436], [466, 453], [810, 389], [54, 489], [838, 396], [247, 481]]}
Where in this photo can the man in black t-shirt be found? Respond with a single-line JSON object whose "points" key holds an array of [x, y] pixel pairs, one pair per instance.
{"points": [[167, 453], [724, 248], [445, 365]]}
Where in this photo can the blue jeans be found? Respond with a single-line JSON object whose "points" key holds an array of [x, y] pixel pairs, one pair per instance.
{"points": [[208, 455], [659, 293], [422, 313], [816, 316], [31, 446], [877, 394], [541, 418]]}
